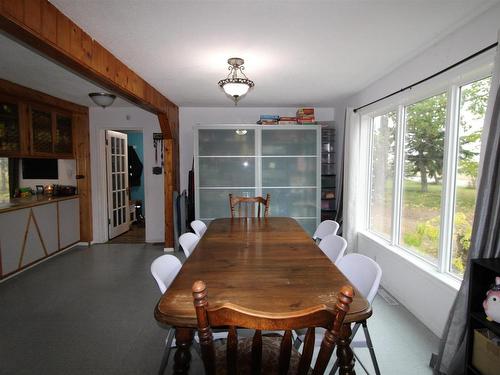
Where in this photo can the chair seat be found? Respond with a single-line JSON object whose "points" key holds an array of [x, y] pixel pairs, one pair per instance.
{"points": [[270, 356]]}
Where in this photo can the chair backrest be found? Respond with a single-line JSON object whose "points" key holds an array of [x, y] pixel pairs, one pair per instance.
{"points": [[248, 203], [363, 272], [333, 246], [199, 227], [164, 269], [234, 316], [188, 242], [325, 228]]}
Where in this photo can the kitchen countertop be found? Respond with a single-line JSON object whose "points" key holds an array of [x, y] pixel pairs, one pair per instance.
{"points": [[34, 200]]}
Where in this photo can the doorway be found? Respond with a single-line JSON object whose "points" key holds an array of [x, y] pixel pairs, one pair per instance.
{"points": [[125, 186]]}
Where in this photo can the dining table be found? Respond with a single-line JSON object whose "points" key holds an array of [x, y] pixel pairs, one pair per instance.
{"points": [[265, 264]]}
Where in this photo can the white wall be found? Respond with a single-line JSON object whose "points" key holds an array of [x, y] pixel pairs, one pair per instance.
{"points": [[66, 172], [426, 297], [130, 118], [190, 116]]}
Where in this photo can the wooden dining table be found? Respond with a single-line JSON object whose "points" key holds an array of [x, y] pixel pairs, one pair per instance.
{"points": [[265, 264]]}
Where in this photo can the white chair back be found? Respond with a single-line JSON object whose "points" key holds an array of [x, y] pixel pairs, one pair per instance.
{"points": [[188, 242], [164, 269], [199, 227], [325, 228], [363, 272], [333, 246]]}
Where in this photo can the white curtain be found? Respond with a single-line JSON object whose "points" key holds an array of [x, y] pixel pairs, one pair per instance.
{"points": [[355, 174]]}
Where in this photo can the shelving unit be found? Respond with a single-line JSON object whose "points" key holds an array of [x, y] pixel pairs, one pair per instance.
{"points": [[253, 160], [328, 175], [483, 273]]}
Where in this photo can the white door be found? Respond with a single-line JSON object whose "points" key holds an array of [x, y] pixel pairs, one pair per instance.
{"points": [[117, 176]]}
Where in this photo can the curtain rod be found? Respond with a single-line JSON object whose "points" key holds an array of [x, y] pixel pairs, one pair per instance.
{"points": [[431, 76]]}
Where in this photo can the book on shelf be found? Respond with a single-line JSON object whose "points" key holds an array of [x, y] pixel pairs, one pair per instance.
{"points": [[304, 121], [305, 111], [268, 122], [269, 117], [281, 122]]}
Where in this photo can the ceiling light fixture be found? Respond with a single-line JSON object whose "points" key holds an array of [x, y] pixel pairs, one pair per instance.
{"points": [[102, 99], [241, 131], [236, 84]]}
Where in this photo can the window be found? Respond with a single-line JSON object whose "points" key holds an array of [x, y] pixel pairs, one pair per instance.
{"points": [[4, 180], [473, 100], [422, 179], [424, 163], [382, 173]]}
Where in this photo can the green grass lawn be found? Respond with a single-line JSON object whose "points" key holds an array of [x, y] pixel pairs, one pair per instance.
{"points": [[414, 197]]}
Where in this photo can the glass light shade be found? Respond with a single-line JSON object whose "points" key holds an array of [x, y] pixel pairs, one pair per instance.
{"points": [[102, 99], [236, 89]]}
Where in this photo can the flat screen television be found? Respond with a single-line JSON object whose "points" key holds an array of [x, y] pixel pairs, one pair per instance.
{"points": [[40, 169]]}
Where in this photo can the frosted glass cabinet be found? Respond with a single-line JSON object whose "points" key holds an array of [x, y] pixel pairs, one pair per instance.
{"points": [[251, 160]]}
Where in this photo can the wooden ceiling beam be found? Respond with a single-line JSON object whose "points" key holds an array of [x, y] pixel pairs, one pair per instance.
{"points": [[45, 29]]}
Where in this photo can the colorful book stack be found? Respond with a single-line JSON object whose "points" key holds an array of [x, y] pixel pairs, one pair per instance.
{"points": [[305, 116], [285, 120], [268, 119]]}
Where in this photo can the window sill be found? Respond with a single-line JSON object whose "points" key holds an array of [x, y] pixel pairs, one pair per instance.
{"points": [[430, 270]]}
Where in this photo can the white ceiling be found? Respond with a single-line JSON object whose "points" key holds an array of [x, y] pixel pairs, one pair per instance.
{"points": [[298, 52]]}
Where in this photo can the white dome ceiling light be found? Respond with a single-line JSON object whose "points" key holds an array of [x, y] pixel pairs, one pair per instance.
{"points": [[102, 99], [236, 84]]}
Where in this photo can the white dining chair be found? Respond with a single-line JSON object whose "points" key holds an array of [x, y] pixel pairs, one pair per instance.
{"points": [[325, 228], [199, 227], [164, 270], [365, 274], [188, 242], [333, 246]]}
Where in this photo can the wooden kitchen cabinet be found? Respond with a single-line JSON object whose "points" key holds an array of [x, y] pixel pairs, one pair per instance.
{"points": [[42, 135], [63, 136], [51, 133], [10, 138]]}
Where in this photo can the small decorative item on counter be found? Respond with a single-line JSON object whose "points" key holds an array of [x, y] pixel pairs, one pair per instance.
{"points": [[48, 190], [491, 304], [25, 192]]}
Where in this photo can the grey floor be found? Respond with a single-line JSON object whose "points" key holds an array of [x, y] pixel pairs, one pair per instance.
{"points": [[90, 311]]}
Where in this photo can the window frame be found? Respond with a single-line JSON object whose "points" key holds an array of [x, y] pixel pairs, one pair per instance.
{"points": [[451, 85]]}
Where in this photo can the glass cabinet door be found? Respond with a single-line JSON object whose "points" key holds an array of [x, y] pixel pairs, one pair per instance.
{"points": [[9, 128], [64, 135], [283, 162], [226, 164], [41, 127]]}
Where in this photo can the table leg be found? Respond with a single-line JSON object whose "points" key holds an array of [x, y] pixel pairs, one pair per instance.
{"points": [[182, 358], [344, 352]]}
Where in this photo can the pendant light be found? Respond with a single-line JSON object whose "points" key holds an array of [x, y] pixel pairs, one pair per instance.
{"points": [[236, 84]]}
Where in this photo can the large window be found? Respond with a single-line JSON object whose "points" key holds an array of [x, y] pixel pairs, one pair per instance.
{"points": [[382, 173], [423, 169], [4, 179]]}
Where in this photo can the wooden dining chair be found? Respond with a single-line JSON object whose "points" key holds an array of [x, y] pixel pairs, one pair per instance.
{"points": [[266, 354], [249, 203]]}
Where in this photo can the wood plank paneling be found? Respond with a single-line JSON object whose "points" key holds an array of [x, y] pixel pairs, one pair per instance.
{"points": [[33, 14], [84, 183], [49, 22]]}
